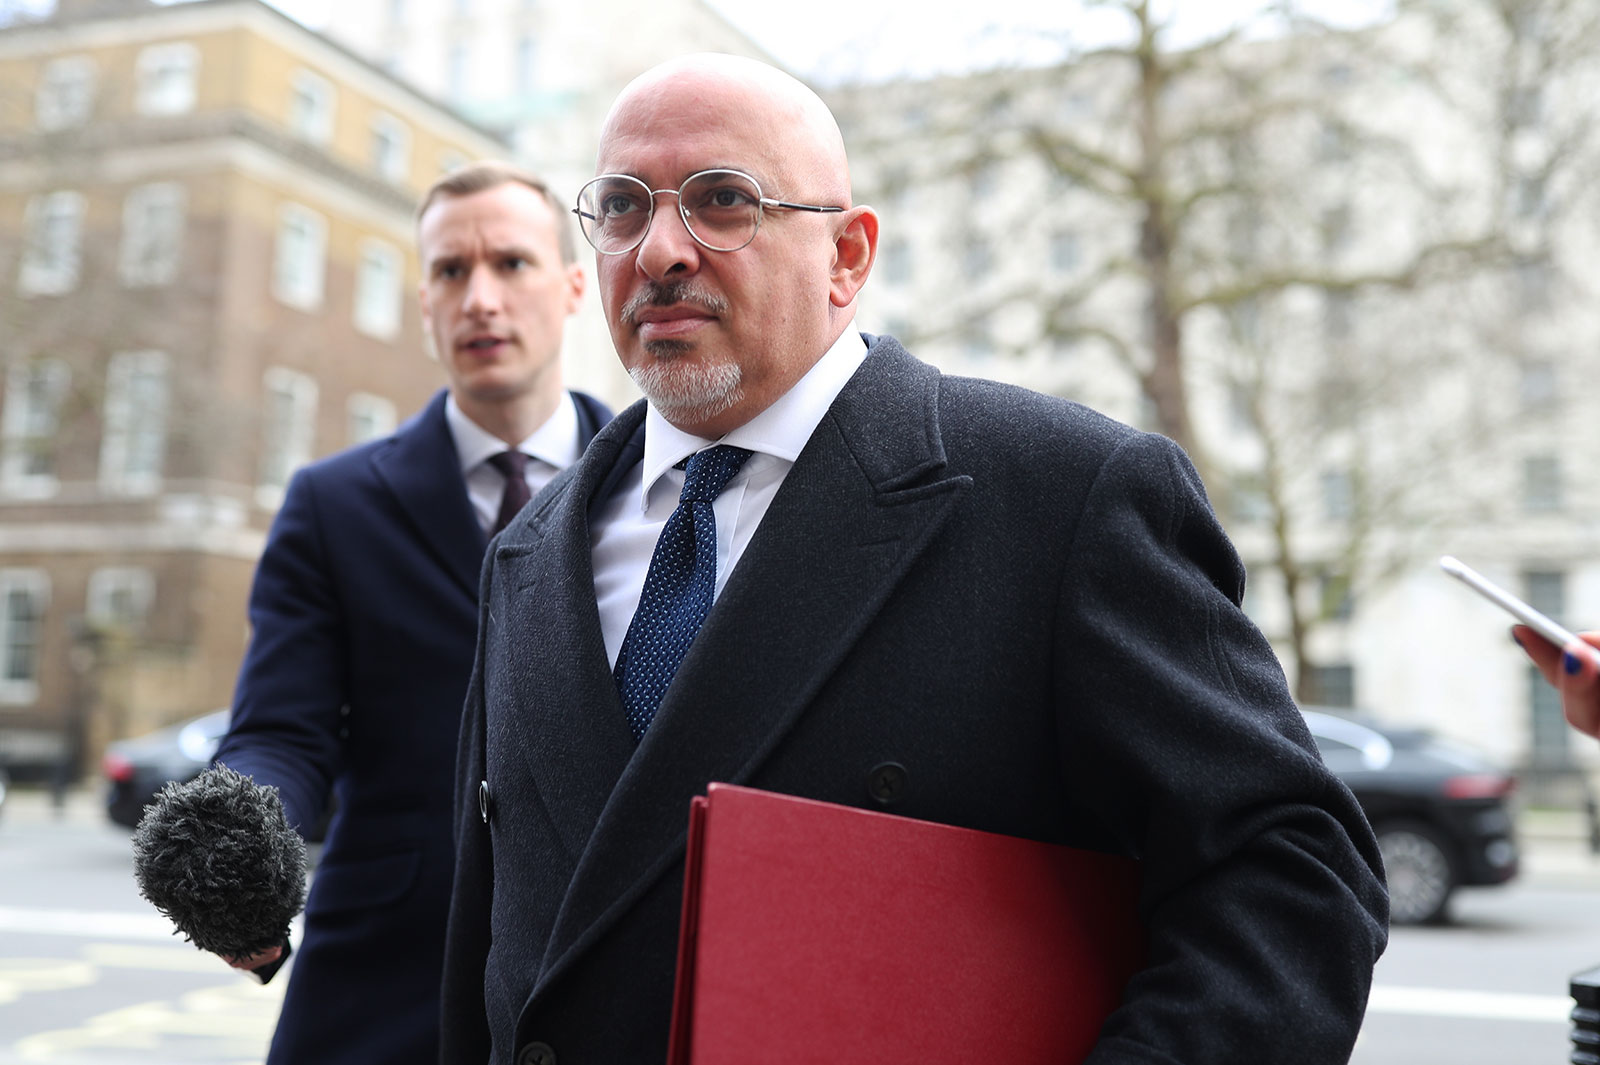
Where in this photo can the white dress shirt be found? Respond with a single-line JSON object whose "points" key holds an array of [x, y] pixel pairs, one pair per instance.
{"points": [[552, 447], [628, 525]]}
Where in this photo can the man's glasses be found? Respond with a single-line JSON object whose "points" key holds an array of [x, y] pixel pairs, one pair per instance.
{"points": [[721, 209]]}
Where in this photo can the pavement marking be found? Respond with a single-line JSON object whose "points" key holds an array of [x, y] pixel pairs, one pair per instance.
{"points": [[91, 924], [234, 1021], [85, 923], [1483, 1005]]}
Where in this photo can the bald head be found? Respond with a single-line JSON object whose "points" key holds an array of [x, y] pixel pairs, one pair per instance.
{"points": [[754, 105]]}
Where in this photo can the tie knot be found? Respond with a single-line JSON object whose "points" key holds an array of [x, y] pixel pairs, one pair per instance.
{"points": [[708, 472], [510, 463]]}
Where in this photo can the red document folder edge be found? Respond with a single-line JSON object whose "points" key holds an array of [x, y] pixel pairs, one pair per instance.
{"points": [[821, 933]]}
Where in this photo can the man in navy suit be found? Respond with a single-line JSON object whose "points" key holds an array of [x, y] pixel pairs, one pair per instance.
{"points": [[949, 599], [364, 610]]}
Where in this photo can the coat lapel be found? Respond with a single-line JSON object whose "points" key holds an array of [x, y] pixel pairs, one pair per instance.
{"points": [[421, 468], [568, 722], [861, 502]]}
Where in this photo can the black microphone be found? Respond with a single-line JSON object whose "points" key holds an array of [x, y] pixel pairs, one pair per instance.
{"points": [[218, 857]]}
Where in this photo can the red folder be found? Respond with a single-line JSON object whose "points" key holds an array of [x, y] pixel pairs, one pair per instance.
{"points": [[821, 933]]}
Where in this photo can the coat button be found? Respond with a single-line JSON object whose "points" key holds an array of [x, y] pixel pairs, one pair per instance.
{"points": [[887, 783], [483, 808], [537, 1054]]}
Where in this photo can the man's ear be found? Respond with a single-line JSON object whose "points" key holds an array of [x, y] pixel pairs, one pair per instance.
{"points": [[854, 251], [577, 284]]}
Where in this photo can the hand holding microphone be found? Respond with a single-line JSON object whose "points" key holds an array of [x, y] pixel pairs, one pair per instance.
{"points": [[217, 856]]}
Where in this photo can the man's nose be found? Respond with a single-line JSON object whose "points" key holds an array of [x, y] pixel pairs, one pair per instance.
{"points": [[483, 292], [667, 248]]}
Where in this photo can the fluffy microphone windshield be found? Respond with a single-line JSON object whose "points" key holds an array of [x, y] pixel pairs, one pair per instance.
{"points": [[217, 856]]}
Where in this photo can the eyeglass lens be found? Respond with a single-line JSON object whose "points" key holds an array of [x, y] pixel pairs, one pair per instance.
{"points": [[721, 209]]}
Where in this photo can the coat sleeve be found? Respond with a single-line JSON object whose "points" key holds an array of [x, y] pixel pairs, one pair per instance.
{"points": [[1263, 889], [464, 1028], [292, 685]]}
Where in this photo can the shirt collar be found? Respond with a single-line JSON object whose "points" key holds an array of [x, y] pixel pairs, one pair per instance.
{"points": [[781, 430], [554, 442]]}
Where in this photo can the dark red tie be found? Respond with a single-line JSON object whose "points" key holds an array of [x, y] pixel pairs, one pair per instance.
{"points": [[512, 465]]}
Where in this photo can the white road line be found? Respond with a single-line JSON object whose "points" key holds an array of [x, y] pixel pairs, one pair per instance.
{"points": [[1484, 1005], [90, 924]]}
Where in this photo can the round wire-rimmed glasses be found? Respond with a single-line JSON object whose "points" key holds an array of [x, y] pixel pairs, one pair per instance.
{"points": [[721, 209]]}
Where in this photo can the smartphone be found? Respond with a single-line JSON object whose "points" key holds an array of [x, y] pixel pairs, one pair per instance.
{"points": [[1540, 623]]}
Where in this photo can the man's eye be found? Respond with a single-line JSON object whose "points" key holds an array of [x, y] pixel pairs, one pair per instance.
{"points": [[449, 273], [615, 206], [513, 262]]}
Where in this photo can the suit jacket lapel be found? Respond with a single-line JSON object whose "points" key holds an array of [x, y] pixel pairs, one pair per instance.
{"points": [[861, 502], [421, 468], [568, 722]]}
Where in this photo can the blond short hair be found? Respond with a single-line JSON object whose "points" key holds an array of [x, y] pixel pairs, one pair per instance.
{"points": [[490, 174]]}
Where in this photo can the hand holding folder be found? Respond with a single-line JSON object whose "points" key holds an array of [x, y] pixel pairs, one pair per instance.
{"points": [[821, 933]]}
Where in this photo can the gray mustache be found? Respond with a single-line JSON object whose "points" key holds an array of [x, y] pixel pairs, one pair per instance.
{"points": [[655, 294]]}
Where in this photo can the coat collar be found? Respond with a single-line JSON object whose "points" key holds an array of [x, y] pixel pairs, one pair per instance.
{"points": [[863, 499], [420, 466]]}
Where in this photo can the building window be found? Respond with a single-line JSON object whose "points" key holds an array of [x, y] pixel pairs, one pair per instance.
{"points": [[297, 273], [1338, 317], [65, 97], [1541, 484], [24, 595], [455, 76], [897, 264], [977, 338], [1333, 685], [53, 246], [371, 417], [311, 103], [34, 393], [391, 147], [119, 597], [167, 76], [1550, 743], [1338, 229], [134, 445], [289, 408], [152, 234], [450, 160], [524, 64], [984, 181], [1537, 384], [1338, 496], [975, 256], [1248, 502], [379, 294], [1064, 251], [1337, 604], [1546, 591]]}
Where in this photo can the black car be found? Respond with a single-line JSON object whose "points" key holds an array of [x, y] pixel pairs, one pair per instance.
{"points": [[1441, 811], [135, 769]]}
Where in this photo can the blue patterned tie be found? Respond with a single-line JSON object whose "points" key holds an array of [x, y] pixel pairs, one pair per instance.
{"points": [[677, 589]]}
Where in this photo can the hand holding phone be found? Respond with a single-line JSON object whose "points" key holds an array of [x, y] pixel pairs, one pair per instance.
{"points": [[1541, 623]]}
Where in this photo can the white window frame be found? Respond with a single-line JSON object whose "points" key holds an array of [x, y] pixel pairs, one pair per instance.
{"points": [[286, 441], [52, 253], [133, 443], [380, 290], [391, 147], [153, 221], [312, 104], [300, 262], [167, 76], [109, 583], [25, 422], [64, 98], [35, 583], [369, 417]]}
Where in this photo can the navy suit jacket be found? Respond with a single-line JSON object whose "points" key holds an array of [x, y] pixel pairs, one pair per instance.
{"points": [[1029, 607], [364, 610]]}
